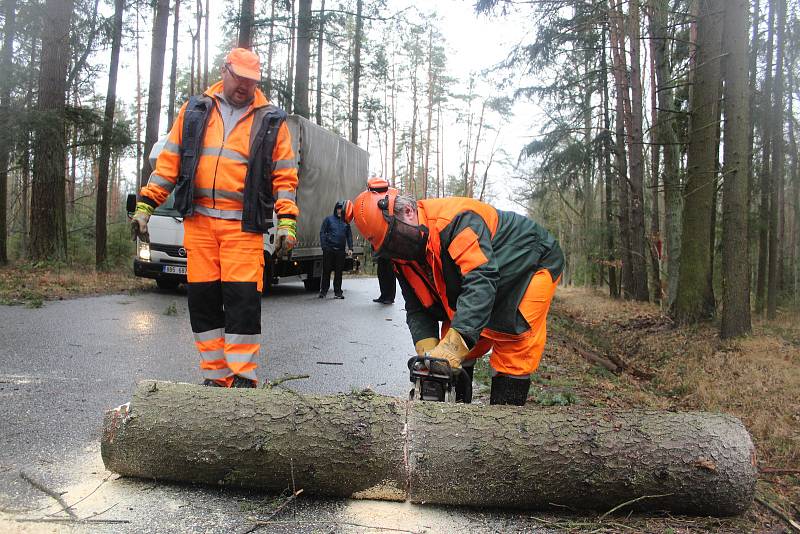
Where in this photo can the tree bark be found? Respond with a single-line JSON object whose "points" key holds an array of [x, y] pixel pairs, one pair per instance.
{"points": [[6, 129], [370, 446], [303, 61], [695, 299], [158, 51], [48, 194], [357, 38], [735, 243], [205, 51], [270, 47], [776, 174], [101, 208]]}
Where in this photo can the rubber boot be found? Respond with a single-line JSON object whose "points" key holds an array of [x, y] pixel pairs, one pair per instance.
{"points": [[463, 393], [509, 390], [242, 382]]}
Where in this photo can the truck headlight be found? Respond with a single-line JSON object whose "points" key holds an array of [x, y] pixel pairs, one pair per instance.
{"points": [[144, 251]]}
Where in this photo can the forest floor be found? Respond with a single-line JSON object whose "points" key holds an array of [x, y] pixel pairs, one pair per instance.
{"points": [[620, 354], [615, 354], [30, 285]]}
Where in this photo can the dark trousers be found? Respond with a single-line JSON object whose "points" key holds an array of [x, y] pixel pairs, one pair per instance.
{"points": [[332, 260], [386, 279]]}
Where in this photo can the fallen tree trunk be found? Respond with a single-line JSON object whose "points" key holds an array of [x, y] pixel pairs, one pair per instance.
{"points": [[370, 446]]}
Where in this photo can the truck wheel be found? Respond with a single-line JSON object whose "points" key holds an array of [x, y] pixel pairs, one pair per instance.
{"points": [[312, 284], [167, 283]]}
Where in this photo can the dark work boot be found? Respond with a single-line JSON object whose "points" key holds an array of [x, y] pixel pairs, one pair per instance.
{"points": [[463, 392], [210, 383], [509, 390], [242, 382]]}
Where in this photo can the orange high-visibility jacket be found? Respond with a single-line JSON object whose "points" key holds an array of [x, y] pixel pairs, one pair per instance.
{"points": [[220, 177]]}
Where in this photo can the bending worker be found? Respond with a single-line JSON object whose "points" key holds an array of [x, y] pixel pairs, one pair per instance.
{"points": [[229, 162], [487, 275]]}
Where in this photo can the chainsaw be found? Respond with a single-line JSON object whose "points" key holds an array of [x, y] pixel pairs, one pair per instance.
{"points": [[435, 380]]}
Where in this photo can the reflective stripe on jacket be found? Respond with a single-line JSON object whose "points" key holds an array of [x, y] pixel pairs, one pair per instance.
{"points": [[227, 177], [479, 262]]}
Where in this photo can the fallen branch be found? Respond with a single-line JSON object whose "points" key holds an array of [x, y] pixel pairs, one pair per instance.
{"points": [[44, 489], [594, 357], [769, 506], [637, 499], [86, 497], [330, 363], [270, 385], [265, 522], [779, 471]]}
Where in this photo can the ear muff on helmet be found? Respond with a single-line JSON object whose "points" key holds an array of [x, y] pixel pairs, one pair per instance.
{"points": [[378, 185], [347, 211], [371, 220]]}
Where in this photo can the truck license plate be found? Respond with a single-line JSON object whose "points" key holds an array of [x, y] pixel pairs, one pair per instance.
{"points": [[175, 269]]}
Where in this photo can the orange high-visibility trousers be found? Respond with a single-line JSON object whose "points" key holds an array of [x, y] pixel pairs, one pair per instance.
{"points": [[519, 355], [225, 268]]}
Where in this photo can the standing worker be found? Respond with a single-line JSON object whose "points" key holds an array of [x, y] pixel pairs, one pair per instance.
{"points": [[386, 278], [229, 162], [336, 240], [487, 275]]}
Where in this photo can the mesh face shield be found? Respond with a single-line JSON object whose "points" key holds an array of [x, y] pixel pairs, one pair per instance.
{"points": [[403, 241]]}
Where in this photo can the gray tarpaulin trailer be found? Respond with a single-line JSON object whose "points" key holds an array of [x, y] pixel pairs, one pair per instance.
{"points": [[330, 169]]}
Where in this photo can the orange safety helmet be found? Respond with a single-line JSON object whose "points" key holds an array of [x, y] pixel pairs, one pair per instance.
{"points": [[371, 210], [347, 211]]}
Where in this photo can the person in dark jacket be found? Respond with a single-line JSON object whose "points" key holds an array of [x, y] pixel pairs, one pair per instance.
{"points": [[336, 240], [486, 276]]}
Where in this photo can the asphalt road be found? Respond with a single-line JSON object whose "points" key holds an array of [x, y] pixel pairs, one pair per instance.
{"points": [[63, 365]]}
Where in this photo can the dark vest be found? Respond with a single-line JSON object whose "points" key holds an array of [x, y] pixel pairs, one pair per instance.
{"points": [[258, 202]]}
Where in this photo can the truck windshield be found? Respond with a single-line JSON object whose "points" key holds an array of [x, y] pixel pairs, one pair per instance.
{"points": [[167, 209]]}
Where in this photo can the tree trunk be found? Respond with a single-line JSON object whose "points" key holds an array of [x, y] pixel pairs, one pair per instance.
{"points": [[766, 137], [655, 174], [735, 256], [173, 71], [48, 203], [246, 21], [205, 52], [158, 51], [621, 90], [320, 56], [356, 70], [431, 83], [695, 300], [673, 196], [270, 47], [289, 93], [471, 187], [636, 160], [608, 180], [303, 61], [6, 130], [776, 176], [794, 253], [101, 209], [375, 447]]}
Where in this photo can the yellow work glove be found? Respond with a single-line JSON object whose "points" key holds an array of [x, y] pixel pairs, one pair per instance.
{"points": [[451, 348], [286, 236], [425, 345], [139, 222]]}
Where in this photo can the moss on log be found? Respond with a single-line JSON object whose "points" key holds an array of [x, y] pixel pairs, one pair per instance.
{"points": [[370, 446]]}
